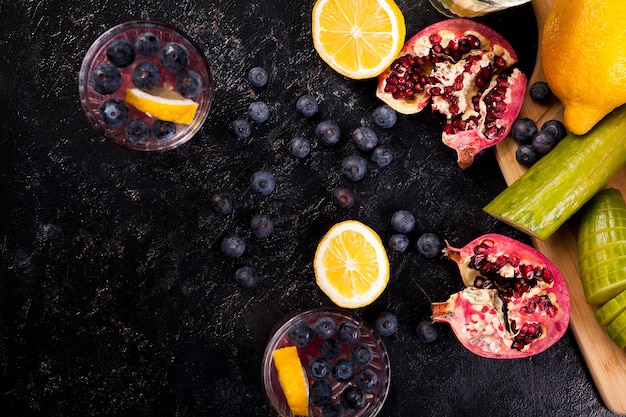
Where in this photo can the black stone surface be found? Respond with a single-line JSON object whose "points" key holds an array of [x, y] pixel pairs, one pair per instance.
{"points": [[114, 296]]}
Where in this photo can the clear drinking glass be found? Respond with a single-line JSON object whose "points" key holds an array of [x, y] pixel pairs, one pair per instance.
{"points": [[473, 8]]}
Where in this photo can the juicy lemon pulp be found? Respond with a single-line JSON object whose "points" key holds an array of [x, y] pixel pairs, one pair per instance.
{"points": [[163, 104], [292, 379]]}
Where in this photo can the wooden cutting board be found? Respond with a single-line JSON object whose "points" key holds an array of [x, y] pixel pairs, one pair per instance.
{"points": [[606, 363]]}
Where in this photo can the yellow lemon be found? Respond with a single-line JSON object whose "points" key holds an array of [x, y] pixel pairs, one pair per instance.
{"points": [[351, 265], [292, 377], [358, 38], [163, 104], [584, 59]]}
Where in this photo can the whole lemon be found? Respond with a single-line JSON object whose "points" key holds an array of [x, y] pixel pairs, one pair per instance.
{"points": [[584, 59]]}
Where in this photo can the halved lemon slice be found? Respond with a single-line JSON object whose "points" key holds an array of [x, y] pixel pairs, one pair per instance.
{"points": [[351, 265], [163, 104], [292, 377], [358, 38]]}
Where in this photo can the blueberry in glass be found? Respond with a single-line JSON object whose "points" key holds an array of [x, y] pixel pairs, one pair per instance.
{"points": [[174, 57], [146, 76], [106, 79], [114, 112]]}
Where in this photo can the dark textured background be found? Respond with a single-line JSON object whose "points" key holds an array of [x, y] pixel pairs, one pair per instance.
{"points": [[114, 296]]}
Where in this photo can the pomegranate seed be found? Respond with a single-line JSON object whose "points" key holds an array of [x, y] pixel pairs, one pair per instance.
{"points": [[435, 38], [499, 62]]}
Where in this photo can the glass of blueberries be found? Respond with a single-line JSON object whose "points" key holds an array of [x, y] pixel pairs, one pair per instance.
{"points": [[346, 363], [144, 55]]}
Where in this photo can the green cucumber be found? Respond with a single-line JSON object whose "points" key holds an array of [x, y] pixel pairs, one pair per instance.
{"points": [[608, 312], [620, 339], [561, 182], [602, 247], [617, 326]]}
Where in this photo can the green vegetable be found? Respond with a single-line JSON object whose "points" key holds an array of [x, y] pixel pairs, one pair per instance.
{"points": [[561, 182], [608, 312]]}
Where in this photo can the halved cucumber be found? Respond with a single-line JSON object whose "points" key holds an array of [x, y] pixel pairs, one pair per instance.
{"points": [[608, 312]]}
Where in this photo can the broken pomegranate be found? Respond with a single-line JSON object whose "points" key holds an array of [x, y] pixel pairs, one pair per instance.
{"points": [[466, 70], [516, 303]]}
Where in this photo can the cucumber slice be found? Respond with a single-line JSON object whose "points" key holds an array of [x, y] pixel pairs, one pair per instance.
{"points": [[620, 339], [617, 326], [608, 312], [561, 182], [602, 291]]}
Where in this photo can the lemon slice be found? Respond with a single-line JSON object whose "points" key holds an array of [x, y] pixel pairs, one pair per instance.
{"points": [[358, 38], [292, 379], [163, 104], [351, 265]]}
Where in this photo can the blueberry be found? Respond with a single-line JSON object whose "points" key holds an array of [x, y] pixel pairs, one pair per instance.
{"points": [[247, 276], [526, 155], [384, 116], [343, 370], [146, 76], [106, 79], [318, 368], [333, 410], [364, 138], [320, 394], [556, 128], [121, 53], [429, 245], [348, 333], [343, 197], [354, 167], [386, 323], [366, 380], [233, 246], [328, 132], [426, 331], [301, 334], [162, 130], [242, 128], [398, 242], [330, 348], [382, 156], [306, 105], [257, 76], [174, 57], [137, 130], [362, 355], [262, 182], [114, 112], [543, 142], [325, 327], [147, 44], [189, 83], [523, 130], [402, 221], [299, 147], [540, 91], [221, 204], [261, 225], [258, 112], [353, 398]]}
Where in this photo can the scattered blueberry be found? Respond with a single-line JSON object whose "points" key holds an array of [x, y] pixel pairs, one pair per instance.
{"points": [[261, 225], [333, 410], [262, 182], [382, 156], [426, 331], [320, 394], [258, 112], [348, 333], [221, 204], [328, 132], [174, 57], [343, 370], [343, 197], [526, 155], [106, 79], [299, 147], [242, 128], [301, 334], [543, 142], [429, 245], [257, 76], [147, 44], [307, 105], [556, 128], [384, 116], [121, 53], [162, 130], [137, 130], [362, 354], [366, 380], [318, 368], [523, 130], [233, 246], [403, 221], [247, 276], [540, 91], [398, 242], [189, 83], [386, 323], [146, 76], [114, 112], [325, 327], [330, 348], [364, 138], [353, 398], [354, 167]]}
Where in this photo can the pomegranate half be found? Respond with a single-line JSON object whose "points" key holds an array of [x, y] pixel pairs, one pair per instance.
{"points": [[516, 303], [466, 70]]}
